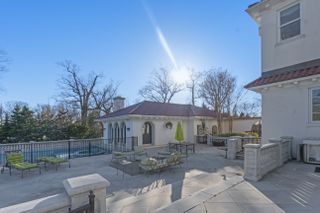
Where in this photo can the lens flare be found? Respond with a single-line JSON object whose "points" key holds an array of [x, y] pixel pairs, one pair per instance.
{"points": [[162, 39]]}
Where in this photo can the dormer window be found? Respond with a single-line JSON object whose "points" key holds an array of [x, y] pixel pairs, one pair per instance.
{"points": [[290, 22]]}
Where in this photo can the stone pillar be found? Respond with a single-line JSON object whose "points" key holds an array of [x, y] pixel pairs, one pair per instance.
{"points": [[232, 147], [289, 138], [252, 170], [279, 142], [78, 189]]}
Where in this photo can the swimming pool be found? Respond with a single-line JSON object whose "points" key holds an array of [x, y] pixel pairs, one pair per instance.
{"points": [[66, 149]]}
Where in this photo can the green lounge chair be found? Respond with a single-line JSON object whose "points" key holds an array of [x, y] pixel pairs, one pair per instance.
{"points": [[53, 161], [174, 159], [15, 160], [149, 165], [118, 156]]}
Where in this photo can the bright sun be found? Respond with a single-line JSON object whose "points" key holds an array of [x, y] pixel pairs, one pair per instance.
{"points": [[180, 76]]}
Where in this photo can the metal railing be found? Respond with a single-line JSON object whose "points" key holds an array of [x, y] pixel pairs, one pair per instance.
{"points": [[69, 148], [244, 141]]}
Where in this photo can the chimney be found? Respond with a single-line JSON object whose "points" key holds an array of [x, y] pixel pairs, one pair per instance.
{"points": [[118, 103]]}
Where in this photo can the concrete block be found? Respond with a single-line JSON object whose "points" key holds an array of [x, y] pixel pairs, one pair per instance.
{"points": [[78, 189]]}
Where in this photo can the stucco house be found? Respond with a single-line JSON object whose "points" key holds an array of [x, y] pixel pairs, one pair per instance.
{"points": [[290, 79], [155, 123]]}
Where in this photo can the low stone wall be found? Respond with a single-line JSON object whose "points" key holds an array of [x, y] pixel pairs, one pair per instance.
{"points": [[76, 195], [259, 159]]}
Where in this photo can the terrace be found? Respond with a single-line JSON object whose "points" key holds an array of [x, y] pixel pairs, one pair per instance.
{"points": [[292, 187], [206, 160]]}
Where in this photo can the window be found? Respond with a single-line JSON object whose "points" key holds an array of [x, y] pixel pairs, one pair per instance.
{"points": [[315, 105], [290, 22]]}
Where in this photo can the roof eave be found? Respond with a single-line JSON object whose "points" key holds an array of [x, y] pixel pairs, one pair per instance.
{"points": [[276, 84], [255, 10], [255, 13]]}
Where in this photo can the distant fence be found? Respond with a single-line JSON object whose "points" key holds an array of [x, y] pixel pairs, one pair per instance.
{"points": [[69, 148]]}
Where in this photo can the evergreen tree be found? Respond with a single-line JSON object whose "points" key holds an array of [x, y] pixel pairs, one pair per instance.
{"points": [[23, 124], [5, 130]]}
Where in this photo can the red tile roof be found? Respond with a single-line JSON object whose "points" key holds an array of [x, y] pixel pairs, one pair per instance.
{"points": [[285, 76], [162, 109]]}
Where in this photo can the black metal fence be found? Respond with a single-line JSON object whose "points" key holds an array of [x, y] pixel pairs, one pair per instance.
{"points": [[69, 148]]}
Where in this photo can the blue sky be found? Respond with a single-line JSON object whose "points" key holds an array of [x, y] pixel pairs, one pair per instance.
{"points": [[117, 38]]}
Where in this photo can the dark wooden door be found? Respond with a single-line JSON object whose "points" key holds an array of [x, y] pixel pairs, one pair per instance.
{"points": [[147, 134]]}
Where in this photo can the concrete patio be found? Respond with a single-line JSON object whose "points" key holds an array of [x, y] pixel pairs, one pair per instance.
{"points": [[197, 186], [293, 188], [207, 160]]}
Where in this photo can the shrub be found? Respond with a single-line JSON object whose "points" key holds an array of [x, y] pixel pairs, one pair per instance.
{"points": [[241, 134]]}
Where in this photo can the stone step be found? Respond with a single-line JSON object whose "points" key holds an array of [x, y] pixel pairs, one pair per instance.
{"points": [[164, 196]]}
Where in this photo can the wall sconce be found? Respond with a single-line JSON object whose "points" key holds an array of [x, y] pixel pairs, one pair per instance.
{"points": [[168, 125]]}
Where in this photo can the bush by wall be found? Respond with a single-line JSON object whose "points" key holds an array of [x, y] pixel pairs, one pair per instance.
{"points": [[241, 134]]}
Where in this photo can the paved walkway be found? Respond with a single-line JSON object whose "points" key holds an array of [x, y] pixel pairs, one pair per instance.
{"points": [[150, 201], [293, 188]]}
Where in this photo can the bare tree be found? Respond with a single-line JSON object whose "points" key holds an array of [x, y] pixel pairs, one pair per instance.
{"points": [[85, 93], [103, 98], [216, 89], [77, 91], [193, 84], [232, 105], [161, 87], [250, 109]]}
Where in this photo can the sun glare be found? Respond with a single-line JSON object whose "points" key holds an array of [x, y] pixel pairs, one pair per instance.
{"points": [[180, 76]]}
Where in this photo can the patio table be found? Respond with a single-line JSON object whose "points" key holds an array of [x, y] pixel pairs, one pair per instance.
{"points": [[123, 164], [179, 147]]}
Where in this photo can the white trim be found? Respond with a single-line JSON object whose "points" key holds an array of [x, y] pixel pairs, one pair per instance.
{"points": [[158, 117], [311, 121]]}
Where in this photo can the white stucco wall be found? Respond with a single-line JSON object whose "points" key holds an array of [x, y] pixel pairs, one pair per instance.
{"points": [[278, 54], [160, 134], [286, 112], [208, 124], [243, 125]]}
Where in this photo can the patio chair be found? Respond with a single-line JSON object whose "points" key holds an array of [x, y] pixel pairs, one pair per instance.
{"points": [[56, 161], [139, 153], [174, 159], [15, 160], [118, 156], [149, 165]]}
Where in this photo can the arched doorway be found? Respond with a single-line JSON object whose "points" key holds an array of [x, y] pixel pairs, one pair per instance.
{"points": [[214, 130], [147, 133], [123, 132], [117, 133], [110, 132]]}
